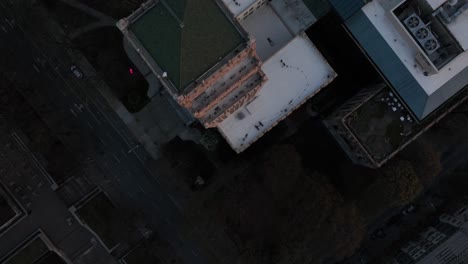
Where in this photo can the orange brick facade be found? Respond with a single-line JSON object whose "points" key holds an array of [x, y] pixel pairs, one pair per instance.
{"points": [[220, 100]]}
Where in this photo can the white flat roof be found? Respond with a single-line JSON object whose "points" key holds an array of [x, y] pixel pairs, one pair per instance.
{"points": [[303, 73], [238, 6], [406, 50], [459, 29]]}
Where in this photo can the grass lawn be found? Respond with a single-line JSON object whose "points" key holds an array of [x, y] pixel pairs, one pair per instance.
{"points": [[112, 62], [6, 212], [136, 98], [186, 52], [29, 254], [100, 214]]}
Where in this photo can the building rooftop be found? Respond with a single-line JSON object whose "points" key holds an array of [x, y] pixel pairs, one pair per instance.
{"points": [[406, 50], [435, 3], [268, 30], [295, 73], [237, 7], [185, 37], [318, 7], [458, 28], [382, 124], [395, 51]]}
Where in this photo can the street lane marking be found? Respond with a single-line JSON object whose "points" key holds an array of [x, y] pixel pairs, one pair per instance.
{"points": [[11, 23], [93, 115], [102, 141], [174, 201], [4, 29], [115, 157], [141, 189], [79, 107], [62, 92], [90, 126], [73, 112], [35, 68]]}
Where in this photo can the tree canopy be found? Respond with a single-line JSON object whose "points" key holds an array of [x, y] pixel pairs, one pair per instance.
{"points": [[400, 184], [281, 169], [426, 161]]}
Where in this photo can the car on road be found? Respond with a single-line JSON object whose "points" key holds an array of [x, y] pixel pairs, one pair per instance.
{"points": [[76, 71], [379, 233], [408, 210]]}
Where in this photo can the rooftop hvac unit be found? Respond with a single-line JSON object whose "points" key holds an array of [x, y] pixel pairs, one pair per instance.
{"points": [[421, 33], [240, 115], [424, 63]]}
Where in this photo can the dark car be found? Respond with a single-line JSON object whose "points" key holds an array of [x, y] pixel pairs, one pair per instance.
{"points": [[379, 233]]}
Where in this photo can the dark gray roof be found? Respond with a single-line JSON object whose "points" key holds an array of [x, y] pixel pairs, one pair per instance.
{"points": [[346, 8]]}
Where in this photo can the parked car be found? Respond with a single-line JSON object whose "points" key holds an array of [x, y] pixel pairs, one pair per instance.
{"points": [[379, 233], [408, 210], [76, 71], [394, 220]]}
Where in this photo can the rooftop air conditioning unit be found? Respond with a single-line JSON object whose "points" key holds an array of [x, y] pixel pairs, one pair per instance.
{"points": [[424, 63], [421, 33]]}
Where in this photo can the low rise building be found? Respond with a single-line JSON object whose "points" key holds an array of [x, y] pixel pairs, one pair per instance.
{"points": [[239, 66]]}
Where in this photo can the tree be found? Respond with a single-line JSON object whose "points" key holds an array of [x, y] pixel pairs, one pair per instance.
{"points": [[281, 169], [318, 223], [396, 185], [347, 230], [425, 160], [400, 184]]}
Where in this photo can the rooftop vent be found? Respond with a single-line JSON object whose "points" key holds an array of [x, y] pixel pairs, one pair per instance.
{"points": [[451, 9], [240, 116], [421, 33]]}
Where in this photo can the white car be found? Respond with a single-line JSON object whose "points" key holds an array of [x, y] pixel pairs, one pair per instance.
{"points": [[77, 72]]}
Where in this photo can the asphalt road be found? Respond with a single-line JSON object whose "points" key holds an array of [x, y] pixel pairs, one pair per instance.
{"points": [[48, 69]]}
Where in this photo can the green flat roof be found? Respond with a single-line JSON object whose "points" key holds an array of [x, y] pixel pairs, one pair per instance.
{"points": [[187, 52]]}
